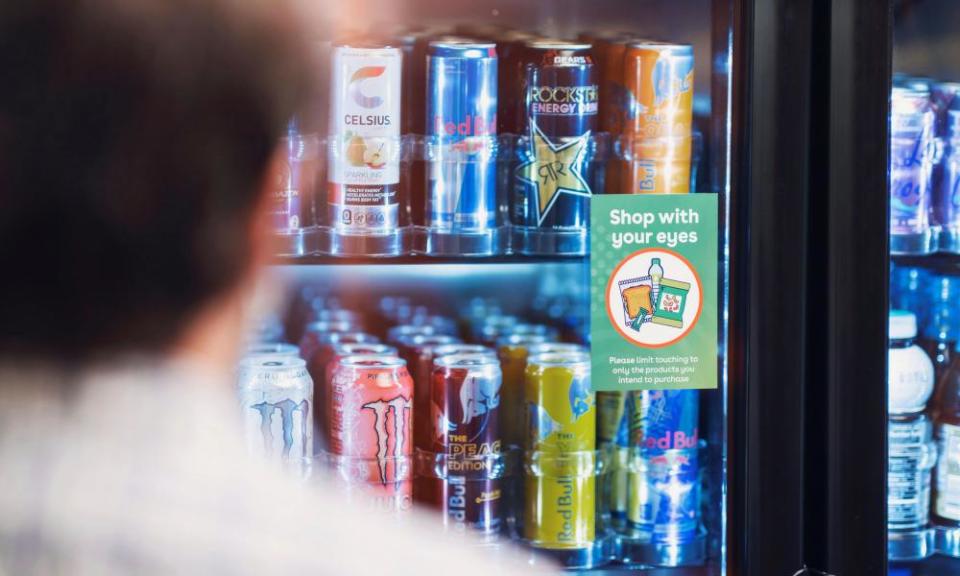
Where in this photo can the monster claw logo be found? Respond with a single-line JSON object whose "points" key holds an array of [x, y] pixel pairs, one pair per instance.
{"points": [[356, 81], [553, 170], [400, 407], [287, 408]]}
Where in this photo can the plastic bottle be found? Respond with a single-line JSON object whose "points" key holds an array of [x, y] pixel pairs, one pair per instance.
{"points": [[946, 509], [911, 451], [656, 275], [942, 326]]}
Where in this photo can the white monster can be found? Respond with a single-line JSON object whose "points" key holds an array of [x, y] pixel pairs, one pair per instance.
{"points": [[276, 397], [364, 146]]}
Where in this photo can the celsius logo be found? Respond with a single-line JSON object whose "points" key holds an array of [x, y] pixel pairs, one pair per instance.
{"points": [[400, 407], [357, 79]]}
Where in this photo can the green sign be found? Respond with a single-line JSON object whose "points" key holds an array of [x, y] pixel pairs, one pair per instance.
{"points": [[653, 293]]}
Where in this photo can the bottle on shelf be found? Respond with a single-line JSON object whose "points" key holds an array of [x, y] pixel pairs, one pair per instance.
{"points": [[911, 452]]}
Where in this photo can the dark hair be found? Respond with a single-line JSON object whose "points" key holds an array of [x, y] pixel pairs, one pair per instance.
{"points": [[134, 140]]}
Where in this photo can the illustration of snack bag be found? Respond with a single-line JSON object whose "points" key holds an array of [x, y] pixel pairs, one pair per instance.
{"points": [[637, 302], [670, 303]]}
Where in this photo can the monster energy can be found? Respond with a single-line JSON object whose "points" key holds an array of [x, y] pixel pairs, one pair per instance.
{"points": [[275, 394], [561, 439]]}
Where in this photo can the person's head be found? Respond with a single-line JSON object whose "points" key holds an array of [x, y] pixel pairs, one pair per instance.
{"points": [[135, 140]]}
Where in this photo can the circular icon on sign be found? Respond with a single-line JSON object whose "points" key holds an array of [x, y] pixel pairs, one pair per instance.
{"points": [[654, 297]]}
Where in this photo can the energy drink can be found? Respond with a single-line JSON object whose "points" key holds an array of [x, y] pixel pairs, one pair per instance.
{"points": [[341, 351], [370, 426], [557, 348], [664, 485], [658, 79], [261, 350], [461, 134], [513, 352], [317, 334], [613, 433], [419, 353], [609, 50], [947, 197], [451, 349], [397, 335], [465, 428], [275, 394], [295, 189], [912, 140], [364, 144], [560, 98], [492, 327], [548, 332], [560, 504]]}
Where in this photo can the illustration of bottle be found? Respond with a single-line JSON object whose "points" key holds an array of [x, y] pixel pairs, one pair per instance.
{"points": [[656, 275]]}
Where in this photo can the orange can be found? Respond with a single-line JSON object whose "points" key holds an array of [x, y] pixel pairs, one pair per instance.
{"points": [[657, 130], [613, 100]]}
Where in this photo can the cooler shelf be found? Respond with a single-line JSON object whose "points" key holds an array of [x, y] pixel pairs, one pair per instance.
{"points": [[318, 260]]}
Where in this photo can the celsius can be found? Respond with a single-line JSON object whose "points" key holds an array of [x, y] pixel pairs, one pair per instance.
{"points": [[658, 82], [418, 351], [513, 352], [364, 145], [461, 134], [560, 99], [560, 483], [371, 417], [664, 484], [275, 395], [464, 402], [912, 143]]}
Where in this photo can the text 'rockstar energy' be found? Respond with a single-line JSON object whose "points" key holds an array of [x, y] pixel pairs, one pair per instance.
{"points": [[364, 146], [465, 442], [370, 428], [560, 481], [554, 179]]}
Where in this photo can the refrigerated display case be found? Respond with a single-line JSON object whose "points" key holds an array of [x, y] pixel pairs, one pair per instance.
{"points": [[879, 457], [476, 274]]}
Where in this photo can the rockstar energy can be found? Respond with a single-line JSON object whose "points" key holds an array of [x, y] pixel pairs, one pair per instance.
{"points": [[657, 133], [560, 483]]}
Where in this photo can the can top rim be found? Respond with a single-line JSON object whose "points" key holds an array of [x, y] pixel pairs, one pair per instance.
{"points": [[459, 348], [329, 326], [559, 358], [365, 44], [273, 363], [557, 348], [663, 46], [361, 337], [555, 44], [520, 339], [271, 348], [433, 339], [364, 348], [461, 42], [373, 361], [467, 359]]}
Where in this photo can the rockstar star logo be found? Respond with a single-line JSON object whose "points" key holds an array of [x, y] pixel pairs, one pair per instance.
{"points": [[554, 170]]}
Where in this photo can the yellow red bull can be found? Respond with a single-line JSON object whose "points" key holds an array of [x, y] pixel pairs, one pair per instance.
{"points": [[658, 129], [560, 482]]}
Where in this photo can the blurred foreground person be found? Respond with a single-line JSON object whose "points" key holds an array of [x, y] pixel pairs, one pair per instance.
{"points": [[136, 141]]}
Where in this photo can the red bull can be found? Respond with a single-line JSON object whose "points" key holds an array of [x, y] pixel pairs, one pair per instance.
{"points": [[461, 134], [560, 483], [663, 482], [464, 404], [419, 353]]}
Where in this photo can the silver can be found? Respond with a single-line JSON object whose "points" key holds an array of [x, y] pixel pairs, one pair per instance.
{"points": [[276, 397]]}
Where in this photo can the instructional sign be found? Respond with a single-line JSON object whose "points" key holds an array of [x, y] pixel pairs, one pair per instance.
{"points": [[653, 309]]}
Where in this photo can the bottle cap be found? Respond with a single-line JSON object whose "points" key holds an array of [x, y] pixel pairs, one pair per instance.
{"points": [[903, 325], [655, 261]]}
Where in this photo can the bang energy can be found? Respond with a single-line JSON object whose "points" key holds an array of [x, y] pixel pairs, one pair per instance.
{"points": [[371, 417], [461, 134], [364, 146], [560, 484]]}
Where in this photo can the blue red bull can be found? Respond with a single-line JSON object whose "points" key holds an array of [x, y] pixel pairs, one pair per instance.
{"points": [[461, 134], [560, 98], [663, 480]]}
